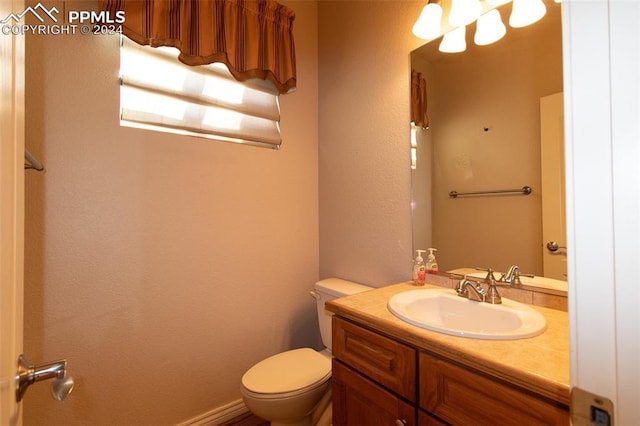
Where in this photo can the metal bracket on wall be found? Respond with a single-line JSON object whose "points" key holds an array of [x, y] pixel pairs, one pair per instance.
{"points": [[28, 374]]}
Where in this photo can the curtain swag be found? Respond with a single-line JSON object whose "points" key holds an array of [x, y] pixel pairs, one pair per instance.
{"points": [[419, 115], [254, 38]]}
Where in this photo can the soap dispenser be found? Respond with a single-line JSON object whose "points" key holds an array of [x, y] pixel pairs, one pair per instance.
{"points": [[419, 269], [432, 263]]}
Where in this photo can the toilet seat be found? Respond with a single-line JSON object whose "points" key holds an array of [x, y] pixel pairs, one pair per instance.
{"points": [[287, 374]]}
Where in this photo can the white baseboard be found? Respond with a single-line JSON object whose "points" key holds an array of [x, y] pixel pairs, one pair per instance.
{"points": [[218, 415]]}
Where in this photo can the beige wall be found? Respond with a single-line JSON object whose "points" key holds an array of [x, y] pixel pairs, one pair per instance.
{"points": [[150, 257], [365, 180], [160, 266]]}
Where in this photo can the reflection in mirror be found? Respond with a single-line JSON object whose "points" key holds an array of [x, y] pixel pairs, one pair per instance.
{"points": [[485, 107]]}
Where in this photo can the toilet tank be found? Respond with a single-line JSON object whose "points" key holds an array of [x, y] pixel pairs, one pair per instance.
{"points": [[328, 289]]}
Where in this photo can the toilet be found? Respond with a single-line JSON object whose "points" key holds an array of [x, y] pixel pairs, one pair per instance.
{"points": [[285, 388]]}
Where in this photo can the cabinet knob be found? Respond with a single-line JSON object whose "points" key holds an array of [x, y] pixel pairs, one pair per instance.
{"points": [[402, 422]]}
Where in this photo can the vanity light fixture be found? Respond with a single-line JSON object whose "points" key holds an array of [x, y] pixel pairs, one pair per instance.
{"points": [[526, 12], [428, 26], [454, 41], [464, 12], [489, 28]]}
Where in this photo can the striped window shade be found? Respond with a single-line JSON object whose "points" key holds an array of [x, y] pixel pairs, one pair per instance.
{"points": [[159, 92]]}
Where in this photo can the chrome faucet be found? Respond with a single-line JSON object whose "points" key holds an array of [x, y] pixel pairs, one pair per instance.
{"points": [[473, 290], [512, 275], [470, 289]]}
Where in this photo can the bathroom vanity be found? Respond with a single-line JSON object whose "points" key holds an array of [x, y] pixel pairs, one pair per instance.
{"points": [[386, 371]]}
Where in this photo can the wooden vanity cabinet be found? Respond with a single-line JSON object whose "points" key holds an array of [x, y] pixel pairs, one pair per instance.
{"points": [[378, 380], [460, 396], [374, 378], [360, 401]]}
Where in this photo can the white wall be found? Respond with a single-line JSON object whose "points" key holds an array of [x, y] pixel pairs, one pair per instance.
{"points": [[160, 266]]}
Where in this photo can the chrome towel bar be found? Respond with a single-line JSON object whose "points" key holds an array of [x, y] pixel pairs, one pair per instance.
{"points": [[525, 190]]}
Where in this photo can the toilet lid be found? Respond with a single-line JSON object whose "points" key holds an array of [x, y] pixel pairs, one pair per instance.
{"points": [[288, 371]]}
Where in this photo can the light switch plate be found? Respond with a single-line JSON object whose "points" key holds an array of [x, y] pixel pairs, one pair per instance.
{"points": [[589, 409]]}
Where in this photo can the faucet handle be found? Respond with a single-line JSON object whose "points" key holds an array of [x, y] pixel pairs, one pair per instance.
{"points": [[493, 296], [518, 274], [489, 272], [512, 275]]}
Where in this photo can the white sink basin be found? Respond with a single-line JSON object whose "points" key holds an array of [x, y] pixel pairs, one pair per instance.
{"points": [[442, 310]]}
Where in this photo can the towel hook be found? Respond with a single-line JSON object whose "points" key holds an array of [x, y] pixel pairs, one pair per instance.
{"points": [[32, 163]]}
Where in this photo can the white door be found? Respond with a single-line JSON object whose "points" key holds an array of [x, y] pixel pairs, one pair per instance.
{"points": [[554, 253], [11, 213]]}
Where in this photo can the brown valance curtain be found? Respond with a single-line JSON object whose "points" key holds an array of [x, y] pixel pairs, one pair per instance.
{"points": [[254, 38], [419, 115]]}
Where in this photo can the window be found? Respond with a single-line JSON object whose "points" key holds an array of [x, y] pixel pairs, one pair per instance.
{"points": [[414, 146], [158, 92]]}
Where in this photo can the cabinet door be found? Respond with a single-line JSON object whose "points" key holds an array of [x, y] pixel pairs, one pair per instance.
{"points": [[425, 419], [386, 361], [461, 396], [357, 401]]}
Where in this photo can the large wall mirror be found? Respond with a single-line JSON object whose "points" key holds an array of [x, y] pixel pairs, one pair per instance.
{"points": [[496, 124]]}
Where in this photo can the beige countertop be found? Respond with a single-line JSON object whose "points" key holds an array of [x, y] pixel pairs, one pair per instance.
{"points": [[539, 364]]}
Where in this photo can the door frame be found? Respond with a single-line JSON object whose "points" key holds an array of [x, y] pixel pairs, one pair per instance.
{"points": [[11, 214], [601, 44], [554, 218]]}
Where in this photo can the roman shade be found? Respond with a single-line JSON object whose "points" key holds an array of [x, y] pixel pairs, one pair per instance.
{"points": [[158, 92]]}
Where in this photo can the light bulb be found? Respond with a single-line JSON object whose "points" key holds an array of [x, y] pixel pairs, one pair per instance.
{"points": [[464, 12], [526, 12], [489, 28], [497, 2], [428, 24], [454, 41]]}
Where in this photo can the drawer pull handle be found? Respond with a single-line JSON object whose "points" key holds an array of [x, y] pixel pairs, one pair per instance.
{"points": [[402, 422]]}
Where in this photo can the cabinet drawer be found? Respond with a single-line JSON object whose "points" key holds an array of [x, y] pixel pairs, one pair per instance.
{"points": [[358, 401], [382, 359], [461, 396]]}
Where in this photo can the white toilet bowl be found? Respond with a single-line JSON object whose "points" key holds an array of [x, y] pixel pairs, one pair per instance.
{"points": [[286, 387]]}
